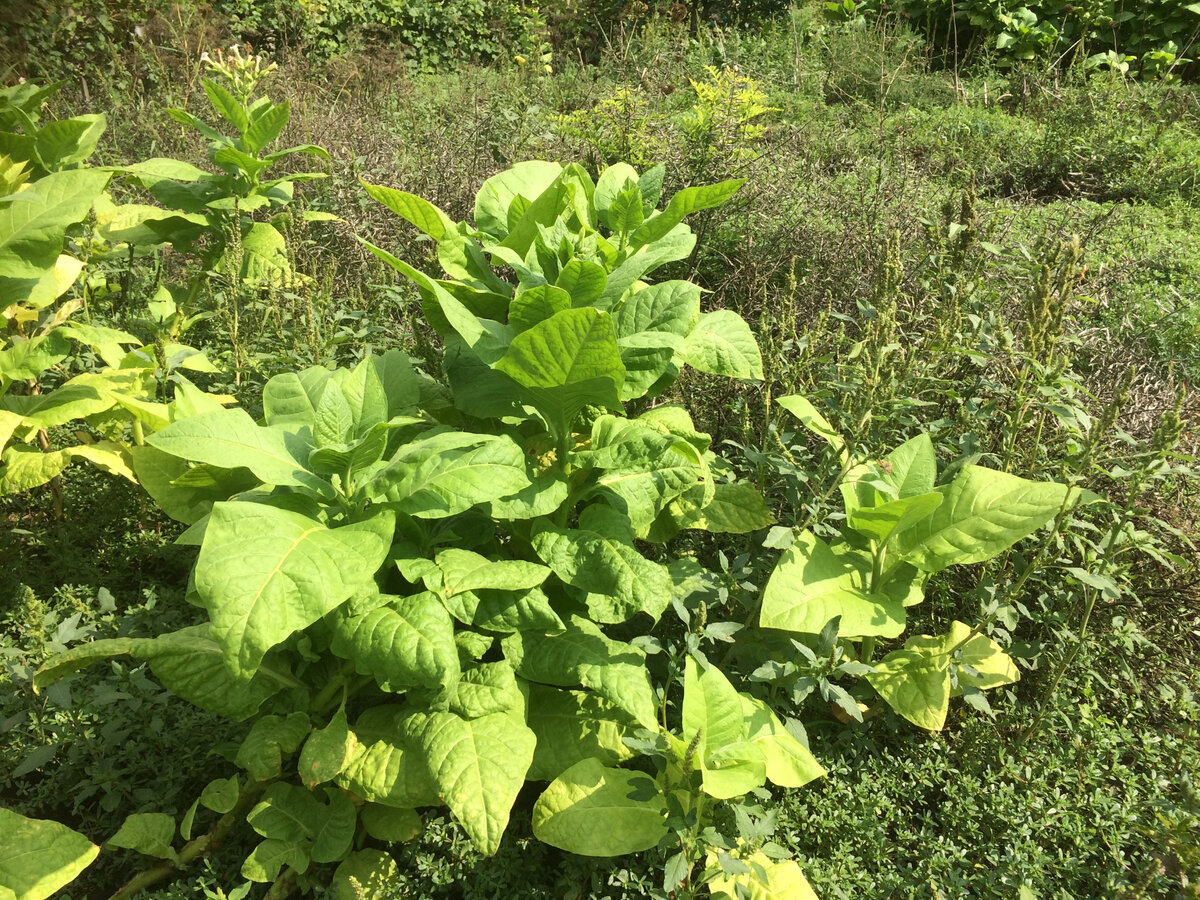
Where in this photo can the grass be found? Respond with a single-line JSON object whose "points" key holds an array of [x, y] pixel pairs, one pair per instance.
{"points": [[1086, 793]]}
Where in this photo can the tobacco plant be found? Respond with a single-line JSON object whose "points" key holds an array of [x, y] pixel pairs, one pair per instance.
{"points": [[900, 528], [45, 195], [410, 588]]}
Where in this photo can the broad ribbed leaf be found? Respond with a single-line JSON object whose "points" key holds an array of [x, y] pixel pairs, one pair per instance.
{"points": [[148, 833], [449, 473], [711, 709], [984, 513], [33, 225], [599, 557], [265, 573], [536, 305], [37, 856], [327, 751], [916, 685], [993, 667], [888, 521], [478, 765], [682, 204], [812, 584], [291, 399], [230, 438], [567, 362], [594, 810], [721, 343], [526, 179], [584, 280], [408, 643], [734, 508], [188, 663], [464, 570], [505, 611], [584, 655], [671, 306], [789, 762], [572, 726], [374, 873], [271, 738], [677, 244], [487, 689], [384, 768]]}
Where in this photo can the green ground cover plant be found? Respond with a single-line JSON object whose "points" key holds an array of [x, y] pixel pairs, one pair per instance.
{"points": [[919, 573]]}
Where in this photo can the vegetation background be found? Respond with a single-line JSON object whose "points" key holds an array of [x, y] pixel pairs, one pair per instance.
{"points": [[911, 168]]}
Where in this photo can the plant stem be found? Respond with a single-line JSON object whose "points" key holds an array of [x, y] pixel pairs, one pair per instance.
{"points": [[197, 848]]}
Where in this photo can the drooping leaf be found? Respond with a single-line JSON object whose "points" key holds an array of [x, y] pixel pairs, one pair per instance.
{"points": [[572, 726], [583, 655], [384, 767], [721, 343], [38, 856], [711, 709], [763, 879], [478, 765], [188, 662], [594, 810], [407, 643], [789, 762], [230, 438], [148, 833], [271, 738], [264, 573], [327, 751], [812, 584], [526, 179], [599, 557], [386, 823]]}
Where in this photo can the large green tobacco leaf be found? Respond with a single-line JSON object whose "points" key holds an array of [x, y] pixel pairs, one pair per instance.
{"points": [[584, 655], [327, 751], [565, 363], [407, 643], [365, 873], [420, 212], [478, 765], [584, 280], [385, 767], [229, 438], [33, 225], [27, 467], [270, 740], [148, 833], [488, 689], [264, 573], [908, 471], [670, 306], [890, 520], [812, 584], [916, 685], [188, 663], [789, 762], [677, 244], [721, 343], [594, 810], [264, 260], [290, 399], [177, 487], [295, 815], [984, 512], [505, 611], [449, 473], [525, 180], [712, 710], [463, 570], [572, 726], [682, 204], [37, 856], [599, 557], [733, 508]]}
